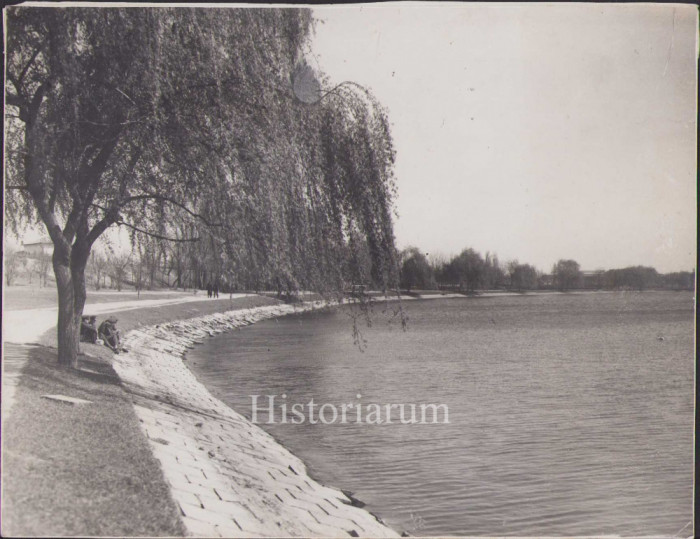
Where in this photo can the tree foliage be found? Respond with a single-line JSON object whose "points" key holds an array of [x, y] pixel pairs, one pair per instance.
{"points": [[679, 280], [181, 124], [465, 270], [493, 274], [523, 276], [633, 277], [416, 271], [567, 275]]}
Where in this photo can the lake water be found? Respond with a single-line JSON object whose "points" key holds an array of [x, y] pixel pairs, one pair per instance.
{"points": [[569, 415]]}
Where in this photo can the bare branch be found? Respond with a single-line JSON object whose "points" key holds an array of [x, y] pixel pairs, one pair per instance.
{"points": [[29, 64], [112, 213], [53, 195], [157, 236], [173, 202], [18, 152], [104, 124], [89, 182], [124, 94], [33, 107], [123, 184], [15, 100], [72, 221], [13, 80], [103, 224], [100, 161]]}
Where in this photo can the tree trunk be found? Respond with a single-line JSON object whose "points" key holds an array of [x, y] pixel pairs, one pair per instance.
{"points": [[151, 273], [68, 323], [69, 267], [78, 264]]}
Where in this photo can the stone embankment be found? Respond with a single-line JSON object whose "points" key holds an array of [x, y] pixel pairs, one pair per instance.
{"points": [[229, 477]]}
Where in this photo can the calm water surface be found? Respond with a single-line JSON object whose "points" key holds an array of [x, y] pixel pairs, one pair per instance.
{"points": [[568, 415]]}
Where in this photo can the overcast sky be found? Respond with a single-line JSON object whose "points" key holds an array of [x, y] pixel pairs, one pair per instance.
{"points": [[538, 132]]}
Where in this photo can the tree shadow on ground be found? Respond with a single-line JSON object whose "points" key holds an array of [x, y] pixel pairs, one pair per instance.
{"points": [[79, 469]]}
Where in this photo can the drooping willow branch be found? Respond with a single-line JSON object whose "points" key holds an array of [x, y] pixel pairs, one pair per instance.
{"points": [[337, 87], [154, 235], [117, 221], [174, 202]]}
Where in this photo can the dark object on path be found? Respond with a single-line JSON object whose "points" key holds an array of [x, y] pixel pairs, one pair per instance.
{"points": [[210, 290], [88, 331], [216, 290], [109, 333]]}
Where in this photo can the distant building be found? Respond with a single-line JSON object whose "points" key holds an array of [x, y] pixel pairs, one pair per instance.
{"points": [[37, 248]]}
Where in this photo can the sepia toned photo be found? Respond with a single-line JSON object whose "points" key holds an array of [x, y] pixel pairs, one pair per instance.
{"points": [[398, 269]]}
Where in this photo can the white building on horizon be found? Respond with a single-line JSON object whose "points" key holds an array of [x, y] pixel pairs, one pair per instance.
{"points": [[38, 247]]}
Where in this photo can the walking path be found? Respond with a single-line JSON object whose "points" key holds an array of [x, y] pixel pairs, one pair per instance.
{"points": [[26, 326]]}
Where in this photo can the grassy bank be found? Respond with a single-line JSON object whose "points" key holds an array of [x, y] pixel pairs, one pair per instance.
{"points": [[87, 469], [83, 469]]}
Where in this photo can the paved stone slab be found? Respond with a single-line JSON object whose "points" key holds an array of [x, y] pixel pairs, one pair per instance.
{"points": [[229, 477]]}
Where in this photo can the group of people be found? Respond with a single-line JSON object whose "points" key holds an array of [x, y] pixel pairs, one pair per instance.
{"points": [[107, 332], [213, 290]]}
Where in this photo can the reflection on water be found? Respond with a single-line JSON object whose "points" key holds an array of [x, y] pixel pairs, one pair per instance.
{"points": [[569, 415]]}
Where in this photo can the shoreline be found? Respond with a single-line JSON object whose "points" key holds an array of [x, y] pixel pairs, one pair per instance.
{"points": [[179, 427], [228, 476]]}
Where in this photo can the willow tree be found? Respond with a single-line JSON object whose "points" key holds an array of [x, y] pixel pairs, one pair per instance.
{"points": [[315, 211], [149, 118]]}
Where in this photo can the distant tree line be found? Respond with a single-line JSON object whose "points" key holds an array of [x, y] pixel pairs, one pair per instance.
{"points": [[468, 272], [155, 263], [642, 278]]}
